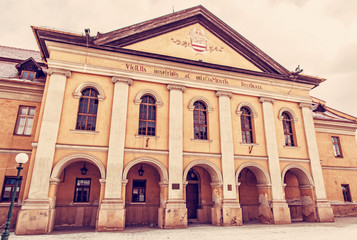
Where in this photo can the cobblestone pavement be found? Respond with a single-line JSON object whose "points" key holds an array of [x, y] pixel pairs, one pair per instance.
{"points": [[342, 228]]}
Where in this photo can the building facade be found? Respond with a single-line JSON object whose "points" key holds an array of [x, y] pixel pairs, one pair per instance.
{"points": [[180, 119]]}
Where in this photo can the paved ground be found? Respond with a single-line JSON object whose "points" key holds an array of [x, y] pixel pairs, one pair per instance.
{"points": [[341, 229]]}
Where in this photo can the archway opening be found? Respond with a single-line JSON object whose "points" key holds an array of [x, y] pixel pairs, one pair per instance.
{"points": [[142, 199], [299, 196], [77, 197], [198, 195], [248, 196]]}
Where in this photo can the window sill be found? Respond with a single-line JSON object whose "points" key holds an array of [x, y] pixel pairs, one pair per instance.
{"points": [[249, 144], [292, 147], [22, 135], [81, 203], [201, 140], [7, 204], [83, 131], [146, 136], [340, 157]]}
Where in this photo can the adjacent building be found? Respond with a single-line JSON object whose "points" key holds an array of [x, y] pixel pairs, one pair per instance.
{"points": [[175, 120]]}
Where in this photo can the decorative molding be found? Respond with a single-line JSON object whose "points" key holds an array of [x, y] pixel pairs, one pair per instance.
{"points": [[83, 131], [54, 181], [224, 94], [201, 140], [292, 147], [146, 151], [202, 155], [305, 104], [335, 127], [67, 160], [200, 98], [102, 181], [118, 79], [251, 158], [286, 109], [78, 92], [176, 87], [266, 99], [81, 148], [59, 71], [259, 171], [13, 151], [250, 106], [339, 168], [300, 172], [22, 90], [211, 168], [294, 160], [164, 177], [158, 101]]}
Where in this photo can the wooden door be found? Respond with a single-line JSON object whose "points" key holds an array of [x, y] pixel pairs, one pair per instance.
{"points": [[192, 200]]}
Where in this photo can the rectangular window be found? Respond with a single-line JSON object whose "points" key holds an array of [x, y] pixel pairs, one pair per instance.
{"points": [[337, 146], [139, 189], [28, 75], [24, 121], [9, 187], [82, 190], [346, 192]]}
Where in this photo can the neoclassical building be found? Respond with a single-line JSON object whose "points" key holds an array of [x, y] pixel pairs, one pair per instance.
{"points": [[176, 120]]}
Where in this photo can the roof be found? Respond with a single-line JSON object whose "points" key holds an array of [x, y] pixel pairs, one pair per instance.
{"points": [[18, 53], [322, 112], [116, 41]]}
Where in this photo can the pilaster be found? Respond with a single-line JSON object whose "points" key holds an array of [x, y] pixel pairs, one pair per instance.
{"points": [[281, 212], [324, 210]]}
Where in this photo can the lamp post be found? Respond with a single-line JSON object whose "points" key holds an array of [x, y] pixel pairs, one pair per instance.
{"points": [[21, 158]]}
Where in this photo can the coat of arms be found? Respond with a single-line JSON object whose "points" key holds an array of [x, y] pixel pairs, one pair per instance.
{"points": [[198, 40]]}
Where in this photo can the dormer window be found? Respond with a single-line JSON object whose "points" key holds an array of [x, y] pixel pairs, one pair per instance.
{"points": [[28, 75]]}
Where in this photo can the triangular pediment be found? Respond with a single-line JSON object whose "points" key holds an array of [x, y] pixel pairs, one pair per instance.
{"points": [[196, 43]]}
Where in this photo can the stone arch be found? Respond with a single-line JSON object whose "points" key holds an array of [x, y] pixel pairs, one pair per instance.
{"points": [[78, 92], [300, 172], [150, 92], [203, 99], [150, 161], [291, 112], [211, 168], [259, 171], [64, 162], [250, 106]]}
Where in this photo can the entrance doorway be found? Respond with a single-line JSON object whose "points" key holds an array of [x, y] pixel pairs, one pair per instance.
{"points": [[192, 198]]}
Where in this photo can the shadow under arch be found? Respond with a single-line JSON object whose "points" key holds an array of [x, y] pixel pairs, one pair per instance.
{"points": [[150, 161], [259, 171], [214, 172], [67, 160], [300, 172]]}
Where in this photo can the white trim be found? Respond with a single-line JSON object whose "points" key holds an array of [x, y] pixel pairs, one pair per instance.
{"points": [[339, 168], [250, 106], [78, 92], [200, 98], [164, 177], [300, 172], [67, 160], [158, 100], [81, 148], [83, 131], [202, 155], [13, 151], [146, 151], [335, 127], [259, 171], [294, 160], [252, 158], [286, 109], [211, 168]]}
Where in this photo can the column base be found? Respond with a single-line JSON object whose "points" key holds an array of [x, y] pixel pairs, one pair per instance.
{"points": [[35, 217], [111, 216], [231, 213], [324, 211], [216, 215], [175, 214], [281, 212]]}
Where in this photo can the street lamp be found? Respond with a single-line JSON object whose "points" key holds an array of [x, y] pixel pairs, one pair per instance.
{"points": [[21, 158]]}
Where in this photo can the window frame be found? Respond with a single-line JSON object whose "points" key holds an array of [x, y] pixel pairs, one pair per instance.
{"points": [[12, 188], [26, 116], [146, 121], [197, 124], [135, 199], [336, 145], [346, 192], [28, 75], [88, 106], [288, 129], [243, 117], [75, 200]]}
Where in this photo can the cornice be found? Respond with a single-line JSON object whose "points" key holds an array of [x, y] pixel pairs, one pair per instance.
{"points": [[334, 127], [21, 90], [339, 168], [58, 71]]}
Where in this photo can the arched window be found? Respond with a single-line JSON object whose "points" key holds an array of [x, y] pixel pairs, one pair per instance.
{"points": [[288, 129], [246, 125], [147, 116], [200, 120], [87, 112]]}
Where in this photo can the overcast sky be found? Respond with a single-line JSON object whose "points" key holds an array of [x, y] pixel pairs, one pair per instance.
{"points": [[318, 35]]}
